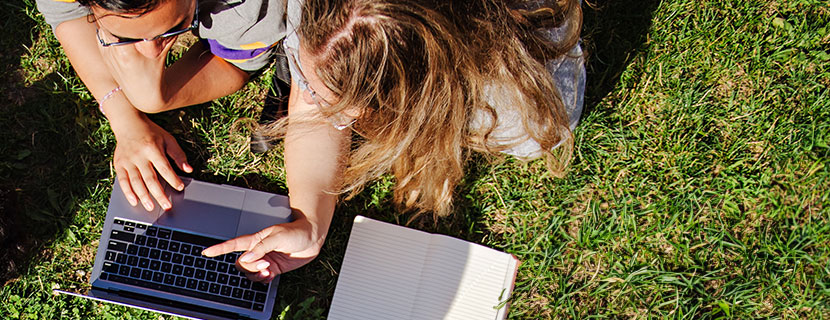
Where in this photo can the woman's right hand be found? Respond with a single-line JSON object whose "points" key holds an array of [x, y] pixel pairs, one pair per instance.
{"points": [[274, 250], [141, 150]]}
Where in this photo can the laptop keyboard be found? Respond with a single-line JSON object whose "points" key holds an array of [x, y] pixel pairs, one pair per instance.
{"points": [[171, 260]]}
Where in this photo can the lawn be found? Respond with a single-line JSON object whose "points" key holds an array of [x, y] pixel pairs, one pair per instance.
{"points": [[699, 189]]}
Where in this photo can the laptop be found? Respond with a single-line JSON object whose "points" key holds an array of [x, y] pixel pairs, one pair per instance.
{"points": [[152, 260]]}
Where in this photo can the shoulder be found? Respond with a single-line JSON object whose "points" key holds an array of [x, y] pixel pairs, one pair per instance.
{"points": [[243, 32], [223, 17], [57, 11]]}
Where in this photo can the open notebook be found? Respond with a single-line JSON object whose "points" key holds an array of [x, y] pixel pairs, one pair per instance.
{"points": [[393, 272]]}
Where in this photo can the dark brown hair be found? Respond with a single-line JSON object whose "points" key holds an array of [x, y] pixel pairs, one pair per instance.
{"points": [[123, 6]]}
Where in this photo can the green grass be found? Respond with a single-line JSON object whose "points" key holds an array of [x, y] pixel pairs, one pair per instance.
{"points": [[700, 186]]}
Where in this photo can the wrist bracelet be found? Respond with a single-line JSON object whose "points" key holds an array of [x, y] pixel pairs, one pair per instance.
{"points": [[106, 97]]}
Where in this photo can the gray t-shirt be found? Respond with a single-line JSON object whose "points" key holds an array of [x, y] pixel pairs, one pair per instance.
{"points": [[243, 32]]}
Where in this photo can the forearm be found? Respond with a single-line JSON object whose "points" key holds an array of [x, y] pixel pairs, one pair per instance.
{"points": [[198, 77], [313, 153], [77, 37]]}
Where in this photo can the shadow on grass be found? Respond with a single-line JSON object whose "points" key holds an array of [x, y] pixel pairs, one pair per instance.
{"points": [[613, 32], [47, 162]]}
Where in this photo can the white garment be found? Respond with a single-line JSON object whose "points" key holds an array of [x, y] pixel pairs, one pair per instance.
{"points": [[568, 73]]}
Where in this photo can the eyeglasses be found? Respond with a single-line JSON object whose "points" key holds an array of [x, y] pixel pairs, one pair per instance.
{"points": [[122, 41], [339, 120]]}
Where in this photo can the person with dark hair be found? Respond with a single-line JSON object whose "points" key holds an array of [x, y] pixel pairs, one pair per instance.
{"points": [[119, 49], [422, 84]]}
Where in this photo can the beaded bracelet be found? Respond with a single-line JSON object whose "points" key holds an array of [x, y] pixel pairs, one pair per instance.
{"points": [[106, 97]]}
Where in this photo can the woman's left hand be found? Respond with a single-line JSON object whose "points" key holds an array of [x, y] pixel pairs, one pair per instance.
{"points": [[273, 250]]}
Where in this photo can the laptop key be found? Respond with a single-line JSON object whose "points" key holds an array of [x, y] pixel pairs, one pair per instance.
{"points": [[177, 258], [155, 265], [210, 265], [188, 260], [123, 236], [230, 258], [259, 297], [203, 286], [110, 267], [129, 223], [146, 275], [166, 256], [141, 226], [258, 307], [214, 288], [193, 239], [196, 251], [140, 239], [185, 248], [200, 274], [144, 263], [188, 272], [121, 259], [222, 267], [119, 221], [211, 276], [155, 253], [174, 246], [132, 249], [158, 276], [135, 273], [182, 291], [166, 267], [143, 251], [164, 233], [249, 295], [233, 281], [169, 279], [223, 278], [163, 244], [132, 261], [226, 291], [151, 231], [237, 293], [245, 283], [181, 281], [199, 263], [258, 286], [177, 269], [110, 256], [117, 246], [152, 242], [192, 283], [129, 229]]}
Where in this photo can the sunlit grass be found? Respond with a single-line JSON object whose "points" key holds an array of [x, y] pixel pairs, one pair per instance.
{"points": [[699, 188]]}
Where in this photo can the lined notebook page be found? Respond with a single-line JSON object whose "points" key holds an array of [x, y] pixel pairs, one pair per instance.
{"points": [[393, 272]]}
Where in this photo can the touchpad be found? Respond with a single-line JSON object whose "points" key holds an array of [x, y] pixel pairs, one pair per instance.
{"points": [[205, 208]]}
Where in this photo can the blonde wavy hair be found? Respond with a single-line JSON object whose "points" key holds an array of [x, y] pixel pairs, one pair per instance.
{"points": [[417, 70]]}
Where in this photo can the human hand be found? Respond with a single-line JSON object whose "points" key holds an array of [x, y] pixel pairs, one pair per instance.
{"points": [[273, 250], [140, 151], [140, 73]]}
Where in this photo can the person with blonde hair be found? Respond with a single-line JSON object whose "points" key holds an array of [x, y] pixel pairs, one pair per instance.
{"points": [[421, 85]]}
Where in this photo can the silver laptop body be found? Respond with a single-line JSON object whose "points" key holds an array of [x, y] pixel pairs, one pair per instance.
{"points": [[133, 270]]}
